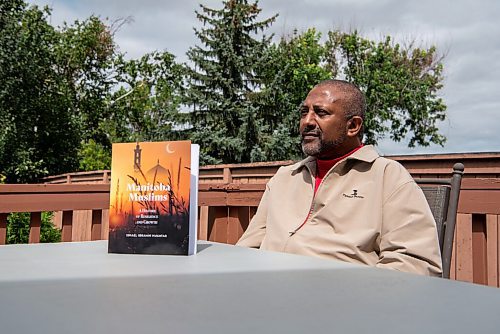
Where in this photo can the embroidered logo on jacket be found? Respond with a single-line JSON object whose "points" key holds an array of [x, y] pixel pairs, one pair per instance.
{"points": [[353, 195]]}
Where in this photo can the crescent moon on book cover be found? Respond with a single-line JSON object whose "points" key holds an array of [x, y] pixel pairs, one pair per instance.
{"points": [[169, 150]]}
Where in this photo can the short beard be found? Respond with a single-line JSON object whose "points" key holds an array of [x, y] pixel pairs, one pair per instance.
{"points": [[321, 147]]}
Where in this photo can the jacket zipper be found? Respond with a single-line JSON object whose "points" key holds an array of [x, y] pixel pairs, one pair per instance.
{"points": [[305, 221], [311, 207], [314, 196]]}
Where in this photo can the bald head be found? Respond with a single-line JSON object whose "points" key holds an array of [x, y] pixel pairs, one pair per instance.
{"points": [[354, 102]]}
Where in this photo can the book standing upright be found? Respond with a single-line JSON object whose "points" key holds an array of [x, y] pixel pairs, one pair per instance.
{"points": [[153, 198]]}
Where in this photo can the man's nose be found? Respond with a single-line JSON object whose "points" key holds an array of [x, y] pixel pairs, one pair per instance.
{"points": [[310, 118]]}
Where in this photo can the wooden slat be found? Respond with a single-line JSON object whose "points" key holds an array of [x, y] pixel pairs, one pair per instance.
{"points": [[230, 194], [464, 270], [52, 188], [212, 198], [237, 223], [67, 226], [479, 258], [227, 177], [479, 201], [492, 249], [446, 170], [82, 222], [53, 202], [95, 232], [232, 187], [57, 219], [480, 184], [250, 166], [105, 176], [232, 223], [47, 201], [96, 175], [255, 176], [217, 224], [3, 228], [105, 224], [256, 172], [246, 198], [35, 224], [203, 226]]}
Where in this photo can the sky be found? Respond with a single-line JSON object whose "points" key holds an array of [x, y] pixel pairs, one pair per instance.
{"points": [[466, 31]]}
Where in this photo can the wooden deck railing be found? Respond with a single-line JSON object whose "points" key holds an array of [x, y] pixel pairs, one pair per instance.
{"points": [[70, 201], [229, 196]]}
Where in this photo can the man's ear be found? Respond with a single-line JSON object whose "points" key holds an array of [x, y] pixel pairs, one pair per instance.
{"points": [[354, 126]]}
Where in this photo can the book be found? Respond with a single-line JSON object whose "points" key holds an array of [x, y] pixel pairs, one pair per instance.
{"points": [[154, 198]]}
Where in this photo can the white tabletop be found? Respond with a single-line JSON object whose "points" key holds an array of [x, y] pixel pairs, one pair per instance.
{"points": [[80, 288]]}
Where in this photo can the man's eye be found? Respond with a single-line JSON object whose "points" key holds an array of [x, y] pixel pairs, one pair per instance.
{"points": [[304, 111]]}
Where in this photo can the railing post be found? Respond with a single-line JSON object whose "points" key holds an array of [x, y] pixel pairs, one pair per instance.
{"points": [[237, 223], [227, 177], [3, 228], [95, 233], [35, 224], [67, 226], [203, 224]]}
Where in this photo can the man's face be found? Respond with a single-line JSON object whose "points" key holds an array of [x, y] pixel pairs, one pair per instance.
{"points": [[323, 125]]}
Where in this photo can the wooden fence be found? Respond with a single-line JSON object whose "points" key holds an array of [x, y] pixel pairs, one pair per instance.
{"points": [[229, 196]]}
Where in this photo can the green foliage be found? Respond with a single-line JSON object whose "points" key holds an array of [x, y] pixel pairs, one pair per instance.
{"points": [[292, 68], [33, 107], [52, 91], [401, 85], [94, 156], [66, 87], [86, 55], [18, 228], [222, 79], [27, 169], [145, 107], [67, 93]]}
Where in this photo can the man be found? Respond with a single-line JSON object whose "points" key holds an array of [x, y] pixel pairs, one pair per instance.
{"points": [[344, 201]]}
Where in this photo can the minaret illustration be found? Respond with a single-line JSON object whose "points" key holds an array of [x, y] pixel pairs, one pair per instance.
{"points": [[137, 158]]}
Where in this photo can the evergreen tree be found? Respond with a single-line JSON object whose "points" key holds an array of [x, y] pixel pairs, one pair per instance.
{"points": [[222, 80]]}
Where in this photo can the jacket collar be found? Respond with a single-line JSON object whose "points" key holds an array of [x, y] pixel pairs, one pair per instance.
{"points": [[366, 154]]}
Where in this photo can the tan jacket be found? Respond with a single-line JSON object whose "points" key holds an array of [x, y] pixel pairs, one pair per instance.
{"points": [[366, 210]]}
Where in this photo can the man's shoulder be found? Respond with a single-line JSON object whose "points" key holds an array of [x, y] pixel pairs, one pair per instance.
{"points": [[391, 164], [386, 168], [369, 154], [284, 173], [288, 170], [394, 173]]}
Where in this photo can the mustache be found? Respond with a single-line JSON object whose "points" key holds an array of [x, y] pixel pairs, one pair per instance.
{"points": [[310, 133]]}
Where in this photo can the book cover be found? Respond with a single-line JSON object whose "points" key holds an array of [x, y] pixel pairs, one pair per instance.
{"points": [[153, 198]]}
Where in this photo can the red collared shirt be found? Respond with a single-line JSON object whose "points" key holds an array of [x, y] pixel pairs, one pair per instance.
{"points": [[323, 166]]}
